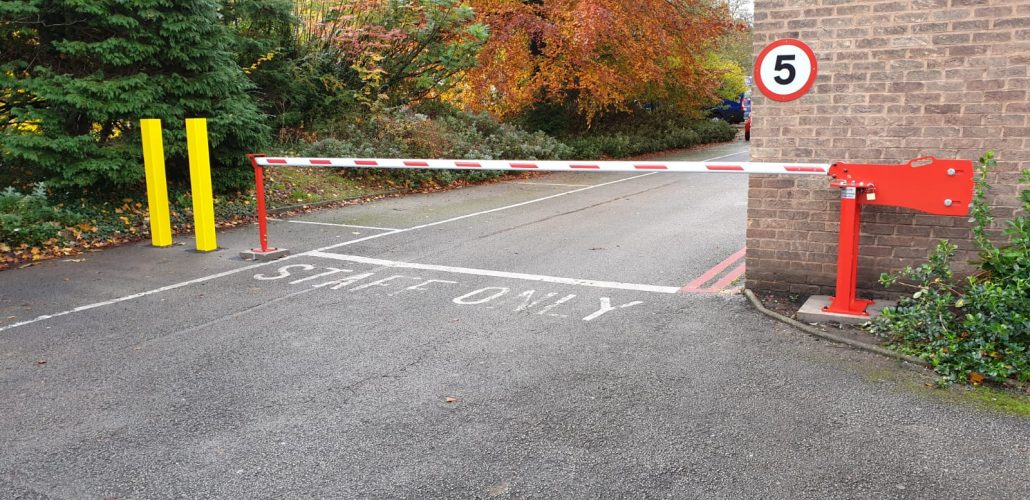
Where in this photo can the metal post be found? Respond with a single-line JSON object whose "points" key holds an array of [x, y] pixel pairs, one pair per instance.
{"points": [[845, 301], [263, 252], [200, 184], [259, 193], [157, 186]]}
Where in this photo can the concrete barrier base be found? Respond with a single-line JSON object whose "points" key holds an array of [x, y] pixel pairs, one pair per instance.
{"points": [[258, 255], [812, 311]]}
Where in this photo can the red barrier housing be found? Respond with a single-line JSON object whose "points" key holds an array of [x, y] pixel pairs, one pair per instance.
{"points": [[926, 184]]}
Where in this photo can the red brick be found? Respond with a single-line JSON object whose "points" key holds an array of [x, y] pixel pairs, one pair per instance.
{"points": [[887, 93]]}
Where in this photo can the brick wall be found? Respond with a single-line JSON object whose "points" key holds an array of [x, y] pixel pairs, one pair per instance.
{"points": [[897, 79]]}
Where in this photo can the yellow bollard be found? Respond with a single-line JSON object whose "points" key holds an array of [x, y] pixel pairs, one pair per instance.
{"points": [[157, 186], [200, 184]]}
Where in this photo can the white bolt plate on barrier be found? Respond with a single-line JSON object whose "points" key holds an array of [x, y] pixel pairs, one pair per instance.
{"points": [[553, 165]]}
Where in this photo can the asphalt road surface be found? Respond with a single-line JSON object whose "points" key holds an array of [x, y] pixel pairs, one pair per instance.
{"points": [[568, 335]]}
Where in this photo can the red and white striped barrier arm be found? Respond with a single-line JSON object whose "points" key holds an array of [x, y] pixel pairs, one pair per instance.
{"points": [[553, 165]]}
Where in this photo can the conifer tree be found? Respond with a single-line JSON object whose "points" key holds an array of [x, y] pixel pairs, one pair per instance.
{"points": [[77, 75]]}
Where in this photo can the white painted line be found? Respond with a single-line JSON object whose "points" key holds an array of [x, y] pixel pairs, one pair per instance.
{"points": [[547, 184], [496, 274], [724, 156], [136, 295], [484, 212], [336, 225], [288, 257]]}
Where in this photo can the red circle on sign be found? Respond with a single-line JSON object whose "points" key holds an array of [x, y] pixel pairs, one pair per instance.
{"points": [[793, 95]]}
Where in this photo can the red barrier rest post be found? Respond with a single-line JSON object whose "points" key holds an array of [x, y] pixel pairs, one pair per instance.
{"points": [[926, 184], [264, 252]]}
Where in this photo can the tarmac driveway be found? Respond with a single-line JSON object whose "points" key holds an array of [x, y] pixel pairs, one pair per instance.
{"points": [[559, 336]]}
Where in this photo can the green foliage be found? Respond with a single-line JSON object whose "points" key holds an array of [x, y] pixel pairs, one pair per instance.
{"points": [[736, 45], [290, 85], [31, 219], [978, 328], [1013, 259], [647, 133], [77, 77], [449, 134], [731, 77]]}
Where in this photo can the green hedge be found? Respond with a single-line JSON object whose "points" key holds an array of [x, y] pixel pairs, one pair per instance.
{"points": [[448, 134]]}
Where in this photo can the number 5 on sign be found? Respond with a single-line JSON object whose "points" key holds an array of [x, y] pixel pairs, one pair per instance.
{"points": [[785, 69]]}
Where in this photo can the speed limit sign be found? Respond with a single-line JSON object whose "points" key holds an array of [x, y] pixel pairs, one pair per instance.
{"points": [[785, 69]]}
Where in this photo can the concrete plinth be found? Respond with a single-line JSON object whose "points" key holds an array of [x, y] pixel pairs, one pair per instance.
{"points": [[812, 311], [258, 255]]}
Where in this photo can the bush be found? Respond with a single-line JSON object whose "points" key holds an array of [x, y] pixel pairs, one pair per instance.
{"points": [[451, 134], [30, 219], [974, 329], [649, 139]]}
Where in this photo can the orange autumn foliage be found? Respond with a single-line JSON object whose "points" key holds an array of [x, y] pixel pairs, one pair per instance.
{"points": [[597, 55]]}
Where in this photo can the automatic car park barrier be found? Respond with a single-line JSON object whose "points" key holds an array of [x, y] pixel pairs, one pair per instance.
{"points": [[927, 184]]}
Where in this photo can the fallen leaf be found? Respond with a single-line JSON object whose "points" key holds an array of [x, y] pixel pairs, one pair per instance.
{"points": [[976, 378]]}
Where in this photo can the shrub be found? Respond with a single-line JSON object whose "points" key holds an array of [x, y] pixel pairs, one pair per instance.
{"points": [[31, 219], [451, 134], [649, 137], [974, 329]]}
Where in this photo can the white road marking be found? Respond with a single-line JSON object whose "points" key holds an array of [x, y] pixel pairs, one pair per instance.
{"points": [[335, 225], [476, 214], [546, 184], [497, 292], [606, 306], [133, 296], [288, 257], [495, 274], [726, 156]]}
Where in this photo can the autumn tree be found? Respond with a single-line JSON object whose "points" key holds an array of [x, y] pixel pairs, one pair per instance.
{"points": [[391, 52], [596, 55]]}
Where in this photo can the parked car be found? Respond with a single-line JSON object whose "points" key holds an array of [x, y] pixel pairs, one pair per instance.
{"points": [[729, 110], [747, 128]]}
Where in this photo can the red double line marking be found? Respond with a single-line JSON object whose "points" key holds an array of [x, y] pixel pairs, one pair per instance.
{"points": [[721, 283]]}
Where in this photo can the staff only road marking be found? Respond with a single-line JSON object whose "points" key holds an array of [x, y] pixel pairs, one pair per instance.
{"points": [[532, 301], [497, 274], [203, 279]]}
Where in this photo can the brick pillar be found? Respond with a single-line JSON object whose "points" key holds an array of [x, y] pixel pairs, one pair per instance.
{"points": [[897, 80]]}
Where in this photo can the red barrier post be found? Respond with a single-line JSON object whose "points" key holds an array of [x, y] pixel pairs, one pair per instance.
{"points": [[927, 184], [845, 301], [259, 193], [263, 252]]}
